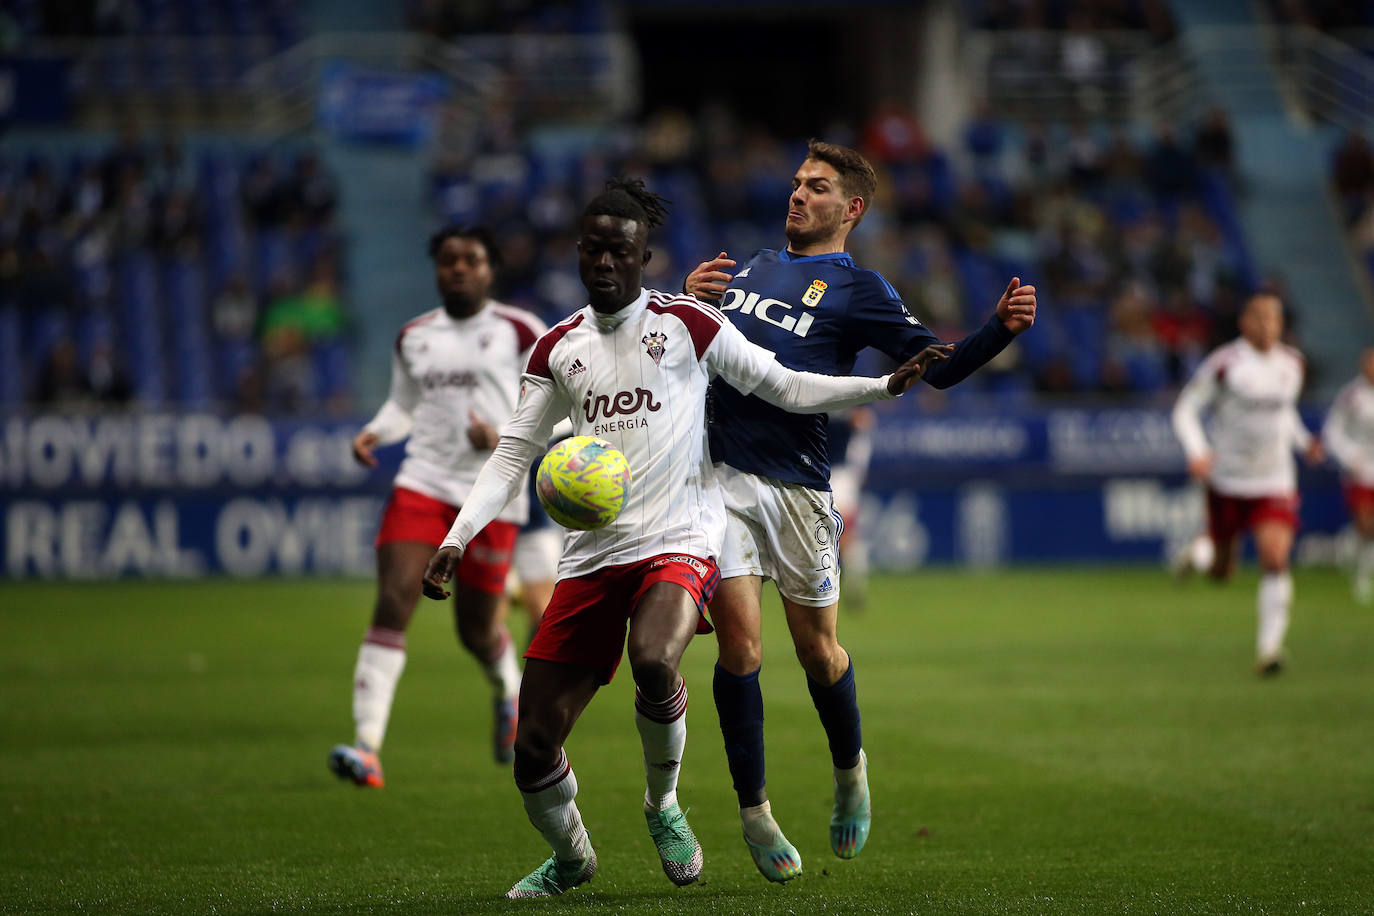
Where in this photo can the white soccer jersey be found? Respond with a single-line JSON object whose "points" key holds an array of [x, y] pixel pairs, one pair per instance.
{"points": [[638, 379], [1349, 431], [1253, 398], [442, 370]]}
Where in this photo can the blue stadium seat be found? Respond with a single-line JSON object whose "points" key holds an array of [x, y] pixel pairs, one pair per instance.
{"points": [[12, 363], [333, 369]]}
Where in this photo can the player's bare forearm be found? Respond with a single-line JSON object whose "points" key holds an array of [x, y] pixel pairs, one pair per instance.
{"points": [[439, 572]]}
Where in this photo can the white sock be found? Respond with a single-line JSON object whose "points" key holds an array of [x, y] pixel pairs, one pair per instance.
{"points": [[381, 659], [663, 735], [1275, 596], [1202, 553], [553, 812], [758, 823], [1364, 568], [503, 670]]}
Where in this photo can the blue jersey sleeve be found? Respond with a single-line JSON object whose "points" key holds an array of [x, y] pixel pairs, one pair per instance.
{"points": [[880, 319]]}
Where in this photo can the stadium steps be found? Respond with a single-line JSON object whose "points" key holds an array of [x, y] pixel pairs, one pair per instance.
{"points": [[1286, 208]]}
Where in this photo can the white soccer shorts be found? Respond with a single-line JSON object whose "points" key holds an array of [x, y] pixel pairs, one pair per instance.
{"points": [[781, 531], [536, 554]]}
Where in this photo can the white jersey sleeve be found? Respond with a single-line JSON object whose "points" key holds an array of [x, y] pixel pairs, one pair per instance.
{"points": [[1196, 396], [503, 476], [752, 370], [396, 416], [1348, 432]]}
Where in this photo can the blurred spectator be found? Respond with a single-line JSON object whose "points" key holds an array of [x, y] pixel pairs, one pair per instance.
{"points": [[234, 312], [1169, 168], [1352, 172], [313, 192], [1213, 143], [65, 384], [893, 135]]}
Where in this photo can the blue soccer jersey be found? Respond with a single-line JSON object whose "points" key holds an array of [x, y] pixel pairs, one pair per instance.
{"points": [[815, 314]]}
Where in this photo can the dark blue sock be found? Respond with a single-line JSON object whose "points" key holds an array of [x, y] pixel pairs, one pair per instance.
{"points": [[739, 704], [838, 706]]}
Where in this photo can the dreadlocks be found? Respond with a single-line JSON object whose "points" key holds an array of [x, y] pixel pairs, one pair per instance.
{"points": [[628, 198]]}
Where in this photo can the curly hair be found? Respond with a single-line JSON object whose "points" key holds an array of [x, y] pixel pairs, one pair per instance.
{"points": [[628, 198], [479, 234]]}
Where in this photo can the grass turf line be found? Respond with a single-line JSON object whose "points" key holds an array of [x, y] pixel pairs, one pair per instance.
{"points": [[1040, 741]]}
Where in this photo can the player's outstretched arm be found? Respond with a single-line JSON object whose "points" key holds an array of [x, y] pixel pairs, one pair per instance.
{"points": [[910, 372], [439, 572], [709, 280]]}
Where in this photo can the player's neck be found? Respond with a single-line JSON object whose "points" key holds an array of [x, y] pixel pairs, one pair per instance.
{"points": [[463, 308], [833, 245]]}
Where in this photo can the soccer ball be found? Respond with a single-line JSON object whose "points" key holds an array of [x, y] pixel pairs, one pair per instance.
{"points": [[583, 483]]}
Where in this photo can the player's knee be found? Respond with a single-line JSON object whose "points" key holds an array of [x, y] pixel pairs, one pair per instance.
{"points": [[820, 657], [533, 759], [393, 608], [740, 655], [655, 673]]}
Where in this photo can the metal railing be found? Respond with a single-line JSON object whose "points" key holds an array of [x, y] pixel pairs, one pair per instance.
{"points": [[1124, 76], [239, 80]]}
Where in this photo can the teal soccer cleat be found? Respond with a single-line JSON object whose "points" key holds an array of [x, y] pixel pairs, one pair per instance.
{"points": [[850, 820], [555, 877], [677, 846], [776, 859]]}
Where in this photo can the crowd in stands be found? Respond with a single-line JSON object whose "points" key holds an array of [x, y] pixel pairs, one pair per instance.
{"points": [[450, 18], [1152, 16], [1132, 241], [147, 273], [1352, 180], [1327, 15]]}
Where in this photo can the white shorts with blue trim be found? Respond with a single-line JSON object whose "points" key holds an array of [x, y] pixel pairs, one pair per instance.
{"points": [[781, 531]]}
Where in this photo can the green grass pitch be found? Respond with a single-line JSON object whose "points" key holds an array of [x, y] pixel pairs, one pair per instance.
{"points": [[1040, 741]]}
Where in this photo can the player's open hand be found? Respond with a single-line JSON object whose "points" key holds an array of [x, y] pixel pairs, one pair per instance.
{"points": [[482, 435], [439, 572], [363, 444], [1016, 308], [911, 371], [709, 281]]}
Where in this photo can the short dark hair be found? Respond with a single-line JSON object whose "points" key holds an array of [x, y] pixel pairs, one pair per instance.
{"points": [[857, 177], [628, 198], [479, 234]]}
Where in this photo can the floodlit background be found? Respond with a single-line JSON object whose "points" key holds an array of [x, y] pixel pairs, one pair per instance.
{"points": [[213, 216]]}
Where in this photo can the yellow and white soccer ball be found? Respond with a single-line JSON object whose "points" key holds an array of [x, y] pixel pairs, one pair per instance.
{"points": [[583, 483]]}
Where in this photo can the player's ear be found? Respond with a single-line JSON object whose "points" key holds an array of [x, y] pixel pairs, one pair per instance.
{"points": [[856, 208], [648, 253]]}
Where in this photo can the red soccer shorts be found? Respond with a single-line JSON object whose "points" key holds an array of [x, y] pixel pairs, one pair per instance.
{"points": [[1229, 516], [1359, 499], [412, 516], [585, 622]]}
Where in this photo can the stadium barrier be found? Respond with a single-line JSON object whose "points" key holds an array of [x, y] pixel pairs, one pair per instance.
{"points": [[159, 495]]}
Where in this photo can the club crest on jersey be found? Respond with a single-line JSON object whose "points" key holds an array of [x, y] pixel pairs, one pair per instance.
{"points": [[653, 344], [484, 341], [812, 296]]}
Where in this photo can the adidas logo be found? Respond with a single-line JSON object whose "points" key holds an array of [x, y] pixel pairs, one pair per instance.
{"points": [[824, 586], [576, 367]]}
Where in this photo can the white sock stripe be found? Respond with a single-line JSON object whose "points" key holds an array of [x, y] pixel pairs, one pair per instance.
{"points": [[382, 636], [669, 710], [556, 774]]}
